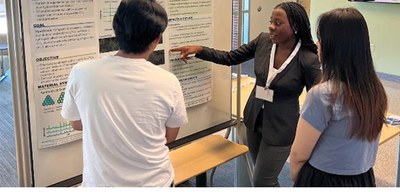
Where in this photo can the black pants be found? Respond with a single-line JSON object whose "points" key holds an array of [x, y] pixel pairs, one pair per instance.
{"points": [[268, 159], [309, 176]]}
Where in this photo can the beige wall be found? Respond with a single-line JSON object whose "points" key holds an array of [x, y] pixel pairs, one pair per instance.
{"points": [[306, 4]]}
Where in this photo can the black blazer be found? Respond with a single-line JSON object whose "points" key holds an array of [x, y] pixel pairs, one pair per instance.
{"points": [[280, 117]]}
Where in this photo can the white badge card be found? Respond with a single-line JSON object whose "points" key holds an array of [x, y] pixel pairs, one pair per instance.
{"points": [[264, 93]]}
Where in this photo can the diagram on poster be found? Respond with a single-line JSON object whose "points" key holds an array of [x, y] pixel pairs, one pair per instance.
{"points": [[107, 8]]}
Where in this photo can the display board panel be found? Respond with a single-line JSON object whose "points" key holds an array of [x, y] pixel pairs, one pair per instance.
{"points": [[60, 33]]}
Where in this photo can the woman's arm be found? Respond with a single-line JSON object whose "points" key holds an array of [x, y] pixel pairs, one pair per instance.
{"points": [[187, 51], [233, 57], [303, 145]]}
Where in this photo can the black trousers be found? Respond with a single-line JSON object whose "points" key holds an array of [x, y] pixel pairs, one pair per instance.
{"points": [[268, 159], [309, 176]]}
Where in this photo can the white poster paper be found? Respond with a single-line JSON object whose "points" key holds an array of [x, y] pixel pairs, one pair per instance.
{"points": [[64, 33], [191, 23]]}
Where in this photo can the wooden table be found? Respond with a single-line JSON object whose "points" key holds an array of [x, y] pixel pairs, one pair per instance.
{"points": [[388, 132], [201, 155]]}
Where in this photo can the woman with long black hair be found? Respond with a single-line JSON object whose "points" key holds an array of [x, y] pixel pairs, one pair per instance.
{"points": [[338, 132]]}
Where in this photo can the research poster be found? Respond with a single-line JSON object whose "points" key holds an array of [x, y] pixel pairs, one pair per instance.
{"points": [[65, 32], [191, 23]]}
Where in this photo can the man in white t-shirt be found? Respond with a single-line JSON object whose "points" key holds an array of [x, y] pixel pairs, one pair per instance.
{"points": [[127, 107]]}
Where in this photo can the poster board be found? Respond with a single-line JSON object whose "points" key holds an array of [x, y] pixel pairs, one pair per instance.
{"points": [[60, 33]]}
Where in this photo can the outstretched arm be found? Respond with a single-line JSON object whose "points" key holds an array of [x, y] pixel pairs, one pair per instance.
{"points": [[187, 51]]}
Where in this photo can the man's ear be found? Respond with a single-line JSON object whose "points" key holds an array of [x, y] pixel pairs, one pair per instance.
{"points": [[155, 42], [158, 39]]}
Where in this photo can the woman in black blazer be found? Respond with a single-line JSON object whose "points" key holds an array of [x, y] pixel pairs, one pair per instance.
{"points": [[285, 61]]}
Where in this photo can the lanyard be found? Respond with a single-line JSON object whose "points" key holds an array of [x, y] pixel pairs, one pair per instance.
{"points": [[272, 72]]}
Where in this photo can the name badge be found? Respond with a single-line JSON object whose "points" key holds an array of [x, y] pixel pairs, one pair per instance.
{"points": [[264, 94]]}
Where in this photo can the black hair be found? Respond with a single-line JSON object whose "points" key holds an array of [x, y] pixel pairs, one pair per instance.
{"points": [[137, 23], [347, 63], [300, 23]]}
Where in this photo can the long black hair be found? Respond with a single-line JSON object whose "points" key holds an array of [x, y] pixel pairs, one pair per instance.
{"points": [[347, 64], [300, 23]]}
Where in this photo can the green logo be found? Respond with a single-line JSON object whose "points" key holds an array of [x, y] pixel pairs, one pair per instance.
{"points": [[48, 101], [61, 98]]}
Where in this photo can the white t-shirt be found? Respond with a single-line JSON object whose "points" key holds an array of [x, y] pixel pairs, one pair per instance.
{"points": [[125, 106]]}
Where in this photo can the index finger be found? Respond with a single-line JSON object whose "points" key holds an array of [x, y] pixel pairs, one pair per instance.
{"points": [[177, 49]]}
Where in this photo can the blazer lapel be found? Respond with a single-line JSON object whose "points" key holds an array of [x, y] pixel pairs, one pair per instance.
{"points": [[282, 74], [263, 66]]}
